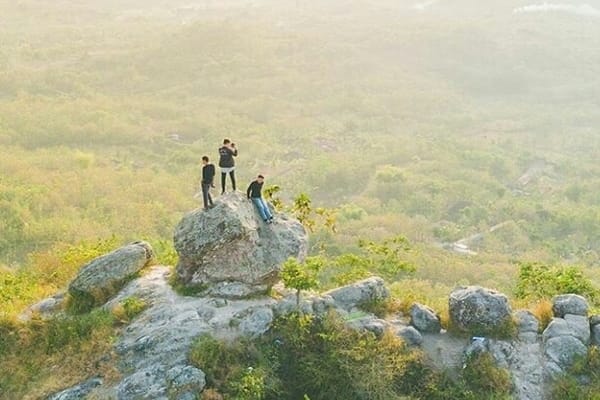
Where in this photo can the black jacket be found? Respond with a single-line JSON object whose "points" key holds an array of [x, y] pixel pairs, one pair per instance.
{"points": [[226, 157], [254, 190], [208, 174]]}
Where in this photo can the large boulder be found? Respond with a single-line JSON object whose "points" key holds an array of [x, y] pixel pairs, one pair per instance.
{"points": [[231, 252], [479, 310], [368, 290], [104, 276], [569, 304]]}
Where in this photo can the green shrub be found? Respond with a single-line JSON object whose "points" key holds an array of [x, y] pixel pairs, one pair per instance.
{"points": [[71, 330], [319, 358], [129, 308], [33, 354], [164, 251], [301, 276], [239, 370], [481, 375], [538, 281]]}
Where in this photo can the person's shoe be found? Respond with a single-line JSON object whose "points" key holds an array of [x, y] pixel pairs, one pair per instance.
{"points": [[211, 206]]}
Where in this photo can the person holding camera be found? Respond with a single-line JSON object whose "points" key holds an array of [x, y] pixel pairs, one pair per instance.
{"points": [[227, 163]]}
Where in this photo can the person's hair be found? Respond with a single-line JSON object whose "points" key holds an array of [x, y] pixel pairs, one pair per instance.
{"points": [[261, 177], [205, 158], [226, 141]]}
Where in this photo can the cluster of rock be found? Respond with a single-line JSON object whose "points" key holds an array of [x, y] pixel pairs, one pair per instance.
{"points": [[234, 257]]}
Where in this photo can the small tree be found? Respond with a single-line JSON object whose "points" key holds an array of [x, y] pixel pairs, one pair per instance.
{"points": [[301, 276]]}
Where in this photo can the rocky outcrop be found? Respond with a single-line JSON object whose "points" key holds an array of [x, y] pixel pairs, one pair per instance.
{"points": [[229, 251], [104, 276], [424, 318], [360, 293], [153, 349], [479, 310]]}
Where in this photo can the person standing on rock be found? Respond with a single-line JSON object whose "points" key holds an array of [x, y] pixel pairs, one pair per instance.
{"points": [[254, 193], [208, 177], [227, 163]]}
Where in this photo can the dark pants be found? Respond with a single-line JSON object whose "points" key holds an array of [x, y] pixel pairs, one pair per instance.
{"points": [[224, 177], [206, 195]]}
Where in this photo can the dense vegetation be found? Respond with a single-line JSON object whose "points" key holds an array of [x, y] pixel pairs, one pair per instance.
{"points": [[319, 359], [469, 130]]}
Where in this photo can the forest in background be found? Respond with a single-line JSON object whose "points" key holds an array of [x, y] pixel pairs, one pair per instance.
{"points": [[442, 122]]}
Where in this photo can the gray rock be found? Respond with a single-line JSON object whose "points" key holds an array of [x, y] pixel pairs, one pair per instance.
{"points": [[595, 320], [564, 350], [44, 309], [236, 290], [576, 326], [77, 392], [254, 321], [163, 334], [580, 327], [569, 304], [103, 277], [369, 323], [359, 293], [410, 335], [478, 310], [230, 244], [289, 305], [218, 302], [146, 384], [477, 346], [185, 378], [424, 318], [526, 321], [552, 371], [595, 335], [322, 304], [556, 328]]}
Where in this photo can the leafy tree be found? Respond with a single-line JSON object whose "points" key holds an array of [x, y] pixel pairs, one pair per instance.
{"points": [[386, 259], [301, 276]]}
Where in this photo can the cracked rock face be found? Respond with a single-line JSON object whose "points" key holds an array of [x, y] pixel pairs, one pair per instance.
{"points": [[476, 309], [231, 251]]}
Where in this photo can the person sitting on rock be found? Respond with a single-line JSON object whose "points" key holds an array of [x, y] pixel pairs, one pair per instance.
{"points": [[208, 176], [254, 193], [227, 163]]}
